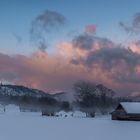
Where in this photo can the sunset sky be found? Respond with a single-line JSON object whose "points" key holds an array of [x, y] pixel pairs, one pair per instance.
{"points": [[51, 44]]}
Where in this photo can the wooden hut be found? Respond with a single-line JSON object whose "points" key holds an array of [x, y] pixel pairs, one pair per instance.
{"points": [[127, 111]]}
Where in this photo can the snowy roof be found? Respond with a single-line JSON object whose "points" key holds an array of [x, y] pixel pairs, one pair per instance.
{"points": [[131, 107]]}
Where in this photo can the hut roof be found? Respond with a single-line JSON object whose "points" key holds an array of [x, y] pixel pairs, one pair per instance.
{"points": [[131, 107]]}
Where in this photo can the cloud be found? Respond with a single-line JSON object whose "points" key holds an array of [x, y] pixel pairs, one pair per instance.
{"points": [[112, 56], [125, 27], [83, 41], [135, 47], [134, 27], [109, 63], [114, 66], [43, 24], [91, 29], [85, 57], [89, 42], [119, 63], [40, 70], [136, 21]]}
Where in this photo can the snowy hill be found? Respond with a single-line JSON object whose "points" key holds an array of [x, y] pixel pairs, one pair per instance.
{"points": [[15, 90], [27, 98]]}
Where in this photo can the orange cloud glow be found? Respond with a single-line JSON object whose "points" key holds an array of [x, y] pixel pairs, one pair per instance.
{"points": [[51, 72]]}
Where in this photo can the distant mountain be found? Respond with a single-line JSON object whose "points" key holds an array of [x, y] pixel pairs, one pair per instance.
{"points": [[37, 100], [16, 90], [26, 98], [22, 91]]}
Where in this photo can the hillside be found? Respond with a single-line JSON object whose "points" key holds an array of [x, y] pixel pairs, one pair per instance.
{"points": [[16, 90]]}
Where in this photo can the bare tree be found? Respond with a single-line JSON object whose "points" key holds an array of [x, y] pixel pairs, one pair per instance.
{"points": [[83, 89]]}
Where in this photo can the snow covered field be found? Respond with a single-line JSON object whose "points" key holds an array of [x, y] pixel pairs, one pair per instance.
{"points": [[32, 126]]}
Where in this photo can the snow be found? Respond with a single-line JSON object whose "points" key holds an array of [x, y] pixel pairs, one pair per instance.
{"points": [[1, 109], [131, 107], [12, 109], [32, 126], [79, 114], [75, 114], [64, 114]]}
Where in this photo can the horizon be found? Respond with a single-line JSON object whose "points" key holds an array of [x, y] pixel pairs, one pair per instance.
{"points": [[51, 45]]}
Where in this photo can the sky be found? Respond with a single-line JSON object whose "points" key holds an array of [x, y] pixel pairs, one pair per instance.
{"points": [[51, 44]]}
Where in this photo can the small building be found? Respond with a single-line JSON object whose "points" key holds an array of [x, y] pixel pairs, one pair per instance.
{"points": [[127, 111]]}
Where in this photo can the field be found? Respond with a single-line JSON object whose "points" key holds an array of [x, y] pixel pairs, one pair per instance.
{"points": [[32, 126]]}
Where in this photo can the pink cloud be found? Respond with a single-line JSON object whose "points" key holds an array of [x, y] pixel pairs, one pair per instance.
{"points": [[91, 28], [56, 72]]}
